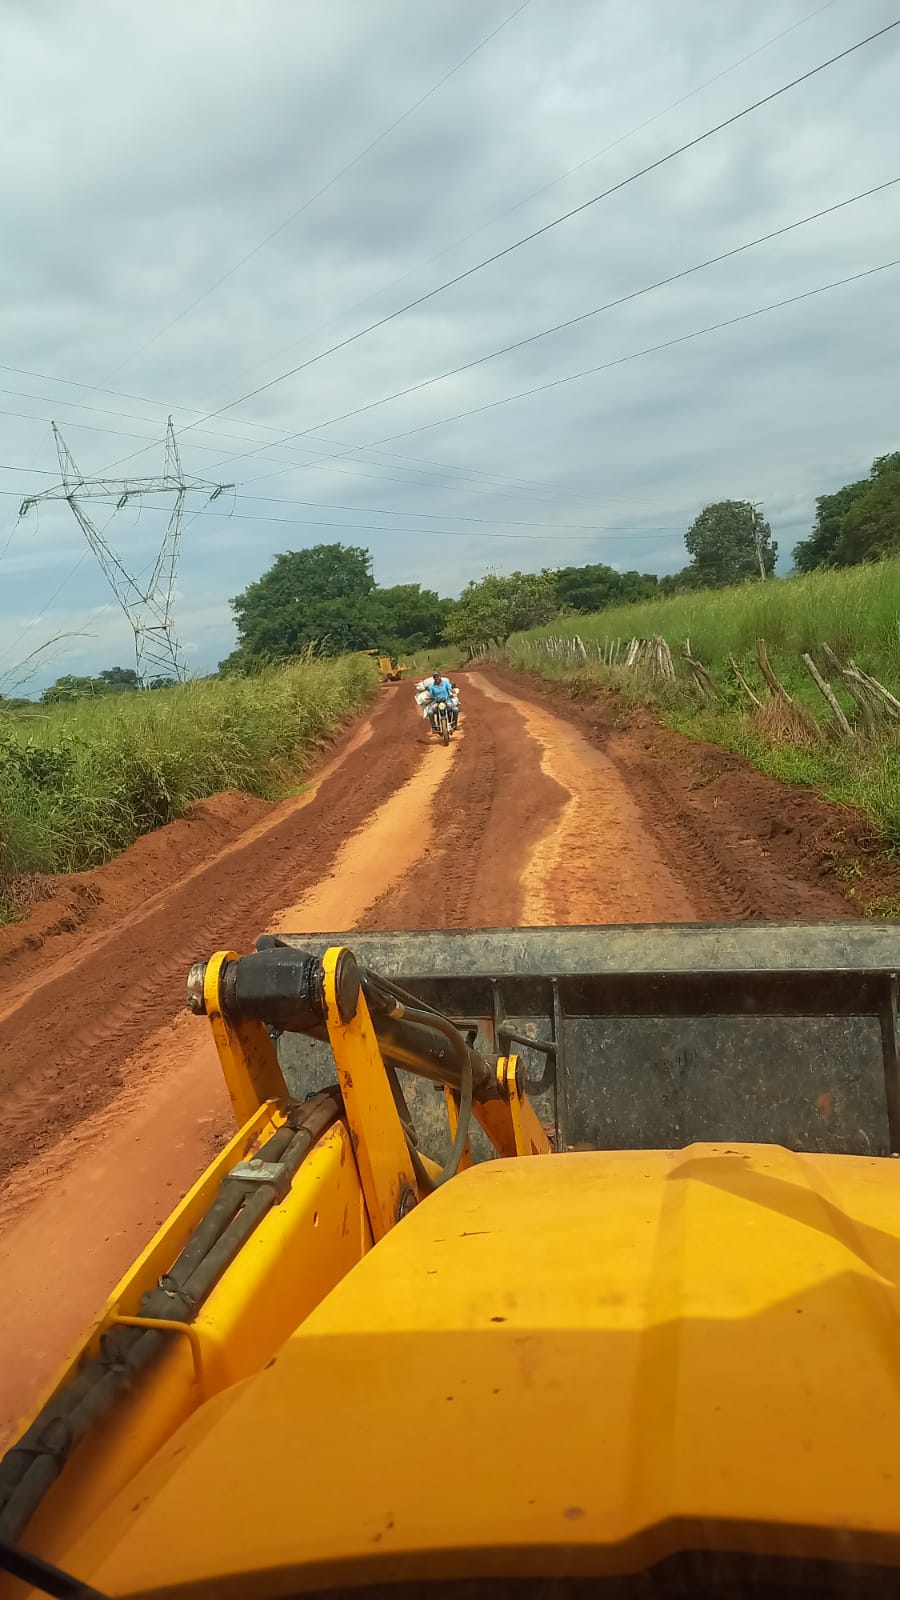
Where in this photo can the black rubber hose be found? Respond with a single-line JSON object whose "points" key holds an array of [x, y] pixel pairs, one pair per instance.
{"points": [[32, 1465], [433, 1049], [38, 1574], [221, 1213], [462, 1130], [52, 1438]]}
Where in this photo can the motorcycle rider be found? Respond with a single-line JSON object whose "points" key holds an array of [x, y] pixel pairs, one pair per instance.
{"points": [[440, 691]]}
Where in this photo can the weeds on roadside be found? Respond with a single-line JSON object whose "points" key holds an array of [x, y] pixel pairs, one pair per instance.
{"points": [[855, 610], [82, 783]]}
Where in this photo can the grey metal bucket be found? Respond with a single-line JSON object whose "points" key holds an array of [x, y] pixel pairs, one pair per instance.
{"points": [[651, 1037]]}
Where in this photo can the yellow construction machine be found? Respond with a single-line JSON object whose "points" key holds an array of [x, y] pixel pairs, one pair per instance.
{"points": [[555, 1261], [390, 668]]}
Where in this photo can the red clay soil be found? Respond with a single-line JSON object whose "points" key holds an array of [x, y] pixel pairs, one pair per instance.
{"points": [[81, 902], [99, 964], [85, 987], [491, 809], [541, 811], [751, 846]]}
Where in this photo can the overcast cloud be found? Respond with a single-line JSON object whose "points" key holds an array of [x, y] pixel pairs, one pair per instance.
{"points": [[148, 147]]}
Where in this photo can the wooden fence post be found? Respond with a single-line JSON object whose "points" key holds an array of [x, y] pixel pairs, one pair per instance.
{"points": [[765, 667], [829, 695], [702, 678], [861, 696]]}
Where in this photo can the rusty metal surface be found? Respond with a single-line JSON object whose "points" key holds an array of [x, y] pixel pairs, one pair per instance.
{"points": [[784, 1034]]}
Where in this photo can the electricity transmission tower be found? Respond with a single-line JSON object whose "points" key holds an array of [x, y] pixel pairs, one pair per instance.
{"points": [[149, 605]]}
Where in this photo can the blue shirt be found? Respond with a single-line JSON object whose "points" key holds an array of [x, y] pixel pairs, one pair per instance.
{"points": [[441, 691]]}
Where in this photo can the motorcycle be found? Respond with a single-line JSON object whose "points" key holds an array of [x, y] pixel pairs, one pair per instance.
{"points": [[442, 718], [441, 721]]}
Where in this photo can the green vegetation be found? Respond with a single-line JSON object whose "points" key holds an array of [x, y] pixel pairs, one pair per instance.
{"points": [[496, 607], [729, 542], [860, 522], [326, 597], [115, 680], [593, 587], [96, 764], [856, 611], [83, 781]]}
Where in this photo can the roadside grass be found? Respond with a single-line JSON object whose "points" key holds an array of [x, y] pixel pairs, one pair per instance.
{"points": [[423, 662], [856, 611], [80, 783]]}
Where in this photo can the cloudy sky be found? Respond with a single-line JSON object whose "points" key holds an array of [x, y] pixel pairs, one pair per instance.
{"points": [[196, 199]]}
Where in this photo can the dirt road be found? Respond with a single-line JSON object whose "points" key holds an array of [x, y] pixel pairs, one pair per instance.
{"points": [[110, 1097]]}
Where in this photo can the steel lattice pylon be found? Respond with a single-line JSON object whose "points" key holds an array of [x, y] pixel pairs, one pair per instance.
{"points": [[149, 608]]}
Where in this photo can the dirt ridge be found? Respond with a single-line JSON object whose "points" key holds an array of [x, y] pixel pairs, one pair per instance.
{"points": [[111, 1098]]}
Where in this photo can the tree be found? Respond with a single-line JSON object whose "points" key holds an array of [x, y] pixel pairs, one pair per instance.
{"points": [[118, 680], [831, 509], [408, 617], [593, 588], [313, 596], [495, 607], [636, 586], [727, 541], [678, 582], [871, 525], [68, 688], [113, 680], [859, 522], [326, 597]]}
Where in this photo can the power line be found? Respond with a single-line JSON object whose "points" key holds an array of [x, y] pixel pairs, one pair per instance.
{"points": [[449, 533], [421, 464], [555, 222], [566, 216], [588, 532], [585, 316], [653, 349], [423, 516], [310, 201], [322, 464], [579, 166], [323, 189], [318, 465], [427, 516], [344, 451]]}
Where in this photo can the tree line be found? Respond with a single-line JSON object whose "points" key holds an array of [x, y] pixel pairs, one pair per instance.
{"points": [[859, 522], [326, 596]]}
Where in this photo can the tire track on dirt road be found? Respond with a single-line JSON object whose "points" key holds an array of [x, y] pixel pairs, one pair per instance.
{"points": [[488, 817], [536, 827], [599, 864], [68, 1029], [111, 1098], [76, 1217], [748, 846]]}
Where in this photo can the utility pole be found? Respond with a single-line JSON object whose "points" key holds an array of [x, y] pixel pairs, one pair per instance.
{"points": [[148, 607], [756, 513]]}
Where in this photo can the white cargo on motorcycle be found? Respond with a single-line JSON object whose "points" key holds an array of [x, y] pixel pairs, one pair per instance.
{"points": [[438, 712]]}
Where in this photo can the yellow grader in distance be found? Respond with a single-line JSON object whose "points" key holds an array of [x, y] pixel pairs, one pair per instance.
{"points": [[390, 668], [627, 1329]]}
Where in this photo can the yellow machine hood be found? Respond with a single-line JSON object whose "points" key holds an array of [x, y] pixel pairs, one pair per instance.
{"points": [[556, 1367]]}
